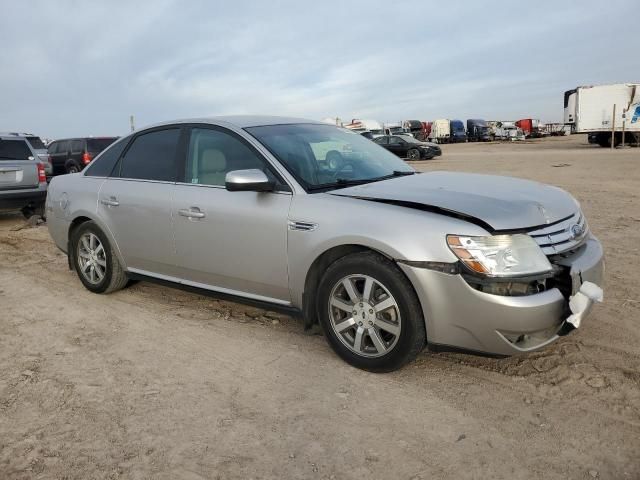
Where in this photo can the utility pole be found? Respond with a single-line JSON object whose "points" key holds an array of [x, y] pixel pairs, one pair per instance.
{"points": [[613, 128], [133, 127], [624, 124]]}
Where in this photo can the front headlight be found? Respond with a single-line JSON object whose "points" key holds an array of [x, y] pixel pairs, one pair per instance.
{"points": [[500, 255]]}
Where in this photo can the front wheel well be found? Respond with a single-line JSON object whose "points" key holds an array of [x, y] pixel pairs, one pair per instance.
{"points": [[318, 267]]}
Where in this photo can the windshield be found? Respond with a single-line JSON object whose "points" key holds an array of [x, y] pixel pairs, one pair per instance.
{"points": [[324, 157]]}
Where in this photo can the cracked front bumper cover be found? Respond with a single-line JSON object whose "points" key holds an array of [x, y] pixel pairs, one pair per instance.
{"points": [[457, 315]]}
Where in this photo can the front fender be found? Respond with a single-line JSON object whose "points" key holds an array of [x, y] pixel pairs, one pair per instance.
{"points": [[397, 232]]}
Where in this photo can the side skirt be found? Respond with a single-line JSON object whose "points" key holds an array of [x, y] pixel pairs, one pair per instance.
{"points": [[288, 310]]}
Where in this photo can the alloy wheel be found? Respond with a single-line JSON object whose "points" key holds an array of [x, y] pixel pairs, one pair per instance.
{"points": [[92, 258], [364, 315]]}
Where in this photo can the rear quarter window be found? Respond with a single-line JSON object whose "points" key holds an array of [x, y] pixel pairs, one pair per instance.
{"points": [[96, 145], [77, 146], [103, 165], [14, 150], [36, 143]]}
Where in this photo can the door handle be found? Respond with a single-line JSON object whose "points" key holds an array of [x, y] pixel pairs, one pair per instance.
{"points": [[193, 212], [111, 202]]}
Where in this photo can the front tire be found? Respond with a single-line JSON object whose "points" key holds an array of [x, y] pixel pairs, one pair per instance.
{"points": [[95, 261], [413, 154], [370, 313]]}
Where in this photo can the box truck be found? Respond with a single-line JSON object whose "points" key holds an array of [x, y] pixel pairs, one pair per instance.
{"points": [[440, 131], [477, 130], [590, 110]]}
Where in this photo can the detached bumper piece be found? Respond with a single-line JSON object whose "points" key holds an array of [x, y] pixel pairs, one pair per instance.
{"points": [[580, 304]]}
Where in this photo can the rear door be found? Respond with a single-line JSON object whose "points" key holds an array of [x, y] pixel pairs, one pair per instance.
{"points": [[398, 146], [77, 152], [135, 201], [18, 167]]}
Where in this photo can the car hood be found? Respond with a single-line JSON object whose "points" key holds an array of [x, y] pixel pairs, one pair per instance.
{"points": [[494, 202]]}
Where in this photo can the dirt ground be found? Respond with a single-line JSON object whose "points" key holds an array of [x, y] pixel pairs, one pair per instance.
{"points": [[152, 382]]}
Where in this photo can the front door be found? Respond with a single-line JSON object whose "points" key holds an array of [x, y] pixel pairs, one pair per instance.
{"points": [[233, 242], [135, 202]]}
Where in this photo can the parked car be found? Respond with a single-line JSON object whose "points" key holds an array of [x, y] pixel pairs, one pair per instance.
{"points": [[23, 180], [384, 259], [405, 146], [37, 147], [434, 147], [71, 155]]}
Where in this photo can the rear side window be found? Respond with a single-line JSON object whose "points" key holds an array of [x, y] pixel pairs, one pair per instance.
{"points": [[63, 146], [96, 145], [53, 148], [77, 146], [152, 156], [103, 165], [14, 150], [36, 143]]}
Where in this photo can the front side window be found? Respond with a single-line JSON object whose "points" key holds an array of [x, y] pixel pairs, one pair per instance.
{"points": [[14, 150], [152, 156], [324, 157], [214, 153], [396, 140]]}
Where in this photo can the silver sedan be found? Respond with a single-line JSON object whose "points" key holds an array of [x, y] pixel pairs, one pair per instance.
{"points": [[316, 220]]}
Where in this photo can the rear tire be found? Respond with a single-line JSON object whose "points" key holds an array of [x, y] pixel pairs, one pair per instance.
{"points": [[389, 336], [73, 168], [95, 261]]}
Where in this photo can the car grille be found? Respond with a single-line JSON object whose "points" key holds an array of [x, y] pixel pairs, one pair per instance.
{"points": [[562, 236]]}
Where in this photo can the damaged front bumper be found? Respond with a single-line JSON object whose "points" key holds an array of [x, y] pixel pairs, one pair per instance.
{"points": [[461, 316]]}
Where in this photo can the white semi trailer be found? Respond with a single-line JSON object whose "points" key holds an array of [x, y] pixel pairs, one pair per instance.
{"points": [[591, 110]]}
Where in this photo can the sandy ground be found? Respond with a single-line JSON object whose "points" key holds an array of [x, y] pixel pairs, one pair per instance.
{"points": [[151, 382]]}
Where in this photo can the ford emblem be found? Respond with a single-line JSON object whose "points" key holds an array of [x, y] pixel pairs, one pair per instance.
{"points": [[576, 231]]}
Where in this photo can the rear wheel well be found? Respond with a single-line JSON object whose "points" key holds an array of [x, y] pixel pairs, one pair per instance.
{"points": [[318, 267], [74, 224]]}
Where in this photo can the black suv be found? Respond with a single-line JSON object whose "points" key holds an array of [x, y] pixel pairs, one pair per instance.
{"points": [[71, 155]]}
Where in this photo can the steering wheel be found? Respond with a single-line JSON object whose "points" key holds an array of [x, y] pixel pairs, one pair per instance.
{"points": [[336, 163]]}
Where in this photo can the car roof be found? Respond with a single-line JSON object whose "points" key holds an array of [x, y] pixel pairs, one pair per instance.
{"points": [[83, 138], [241, 121], [13, 137]]}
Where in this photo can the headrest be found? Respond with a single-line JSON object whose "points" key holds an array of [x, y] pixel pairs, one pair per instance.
{"points": [[211, 161]]}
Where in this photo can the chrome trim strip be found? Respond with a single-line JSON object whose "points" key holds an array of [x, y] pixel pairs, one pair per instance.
{"points": [[301, 226]]}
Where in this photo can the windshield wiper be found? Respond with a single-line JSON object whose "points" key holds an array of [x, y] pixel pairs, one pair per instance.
{"points": [[348, 182]]}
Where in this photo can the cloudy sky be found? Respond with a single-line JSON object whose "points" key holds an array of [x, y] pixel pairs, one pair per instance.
{"points": [[81, 68]]}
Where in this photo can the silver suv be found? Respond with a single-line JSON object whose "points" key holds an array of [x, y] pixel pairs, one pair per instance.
{"points": [[23, 181], [317, 220], [38, 148]]}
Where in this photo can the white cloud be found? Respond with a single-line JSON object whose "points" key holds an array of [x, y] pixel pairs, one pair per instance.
{"points": [[74, 68]]}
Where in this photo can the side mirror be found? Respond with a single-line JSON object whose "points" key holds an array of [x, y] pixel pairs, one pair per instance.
{"points": [[252, 180]]}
